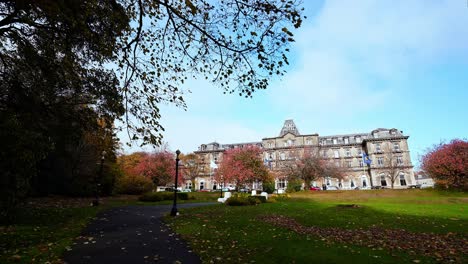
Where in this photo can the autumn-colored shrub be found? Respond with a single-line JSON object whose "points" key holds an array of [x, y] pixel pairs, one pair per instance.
{"points": [[448, 164], [133, 185]]}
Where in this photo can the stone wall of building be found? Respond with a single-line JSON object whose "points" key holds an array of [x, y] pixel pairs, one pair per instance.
{"points": [[387, 148]]}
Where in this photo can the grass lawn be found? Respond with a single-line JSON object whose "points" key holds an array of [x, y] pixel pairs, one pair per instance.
{"points": [[394, 219], [45, 227]]}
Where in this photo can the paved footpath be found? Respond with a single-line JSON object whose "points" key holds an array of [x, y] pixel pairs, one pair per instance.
{"points": [[131, 234]]}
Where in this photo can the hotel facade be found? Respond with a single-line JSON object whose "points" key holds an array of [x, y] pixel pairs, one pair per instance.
{"points": [[387, 149]]}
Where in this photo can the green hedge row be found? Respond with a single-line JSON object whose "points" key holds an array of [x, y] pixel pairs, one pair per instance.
{"points": [[242, 200]]}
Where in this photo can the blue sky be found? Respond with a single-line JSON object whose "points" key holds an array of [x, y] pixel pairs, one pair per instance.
{"points": [[355, 66]]}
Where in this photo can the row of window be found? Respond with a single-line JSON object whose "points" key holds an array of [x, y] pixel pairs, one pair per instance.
{"points": [[378, 147], [289, 142]]}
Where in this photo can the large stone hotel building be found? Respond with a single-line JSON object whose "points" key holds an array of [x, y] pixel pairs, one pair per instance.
{"points": [[387, 149]]}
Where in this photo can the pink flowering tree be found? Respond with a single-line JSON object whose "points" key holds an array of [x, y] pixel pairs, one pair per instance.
{"points": [[242, 166], [448, 164], [158, 166]]}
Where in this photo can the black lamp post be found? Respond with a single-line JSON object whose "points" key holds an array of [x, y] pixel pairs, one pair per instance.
{"points": [[96, 180], [174, 211], [221, 187]]}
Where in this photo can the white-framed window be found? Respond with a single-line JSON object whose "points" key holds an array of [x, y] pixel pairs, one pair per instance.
{"points": [[309, 141], [399, 160], [335, 141], [281, 184], [364, 181], [282, 156], [336, 153], [361, 164], [402, 179], [350, 164], [358, 139], [378, 148], [383, 180], [324, 153], [359, 152], [396, 146], [346, 140], [380, 161], [290, 142], [348, 152]]}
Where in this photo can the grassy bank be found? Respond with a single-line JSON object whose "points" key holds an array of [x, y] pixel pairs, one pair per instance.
{"points": [[239, 234]]}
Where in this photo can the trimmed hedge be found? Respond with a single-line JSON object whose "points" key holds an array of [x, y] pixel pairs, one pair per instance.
{"points": [[162, 196], [262, 199], [239, 201], [243, 200]]}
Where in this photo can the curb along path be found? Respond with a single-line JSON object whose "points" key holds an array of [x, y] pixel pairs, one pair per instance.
{"points": [[131, 234]]}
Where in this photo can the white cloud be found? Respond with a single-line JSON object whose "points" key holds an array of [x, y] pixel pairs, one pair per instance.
{"points": [[351, 58]]}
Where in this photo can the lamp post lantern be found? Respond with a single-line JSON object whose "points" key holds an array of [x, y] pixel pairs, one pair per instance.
{"points": [[174, 211], [96, 179]]}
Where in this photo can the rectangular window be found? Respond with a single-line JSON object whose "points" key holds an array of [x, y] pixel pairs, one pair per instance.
{"points": [[396, 146], [377, 147], [402, 180], [383, 181], [380, 161], [346, 140], [361, 164], [324, 153], [350, 164], [399, 160], [358, 139], [335, 141], [348, 152], [359, 152], [336, 153]]}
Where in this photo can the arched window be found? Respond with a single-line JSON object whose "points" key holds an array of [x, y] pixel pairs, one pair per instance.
{"points": [[202, 185], [402, 179]]}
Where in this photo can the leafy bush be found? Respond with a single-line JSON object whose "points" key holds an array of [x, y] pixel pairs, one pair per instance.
{"points": [[269, 187], [281, 197], [133, 185], [240, 201], [294, 186], [182, 196], [162, 196], [262, 199]]}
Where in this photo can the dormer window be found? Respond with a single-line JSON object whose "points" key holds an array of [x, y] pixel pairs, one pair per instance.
{"points": [[377, 147]]}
